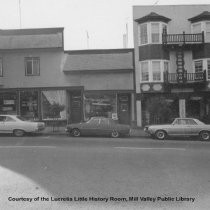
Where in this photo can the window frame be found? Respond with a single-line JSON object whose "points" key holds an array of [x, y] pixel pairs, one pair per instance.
{"points": [[150, 70], [161, 25], [32, 59], [1, 67]]}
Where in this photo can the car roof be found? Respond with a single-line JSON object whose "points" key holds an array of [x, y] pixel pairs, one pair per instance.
{"points": [[11, 115], [185, 118]]}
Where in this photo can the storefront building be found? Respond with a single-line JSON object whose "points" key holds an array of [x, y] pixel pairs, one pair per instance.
{"points": [[41, 81], [172, 59]]}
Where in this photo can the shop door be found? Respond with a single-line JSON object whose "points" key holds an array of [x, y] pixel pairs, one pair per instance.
{"points": [[124, 108], [75, 107]]}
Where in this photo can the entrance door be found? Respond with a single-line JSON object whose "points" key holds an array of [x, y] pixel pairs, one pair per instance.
{"points": [[75, 107], [124, 112]]}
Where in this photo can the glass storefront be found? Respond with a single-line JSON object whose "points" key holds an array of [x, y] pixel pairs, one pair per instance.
{"points": [[98, 104], [53, 104], [8, 102], [29, 104]]}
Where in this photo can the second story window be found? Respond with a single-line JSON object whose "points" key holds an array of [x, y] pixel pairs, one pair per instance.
{"points": [[155, 32], [143, 34], [207, 31], [144, 71], [156, 71], [32, 66], [1, 67]]}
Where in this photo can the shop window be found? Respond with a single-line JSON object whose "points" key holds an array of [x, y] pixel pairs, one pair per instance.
{"points": [[29, 104], [32, 66], [156, 71], [155, 32], [8, 103], [144, 71], [97, 104], [53, 104]]}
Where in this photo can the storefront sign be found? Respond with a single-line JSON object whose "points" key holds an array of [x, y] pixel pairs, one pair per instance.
{"points": [[9, 102]]}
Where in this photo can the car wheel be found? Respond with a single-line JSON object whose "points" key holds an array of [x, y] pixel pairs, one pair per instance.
{"points": [[160, 134], [18, 132], [204, 135], [115, 134], [76, 132]]}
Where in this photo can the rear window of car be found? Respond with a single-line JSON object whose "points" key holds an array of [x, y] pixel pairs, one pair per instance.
{"points": [[21, 118]]}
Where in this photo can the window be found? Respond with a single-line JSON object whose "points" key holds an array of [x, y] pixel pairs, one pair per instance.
{"points": [[156, 71], [53, 104], [207, 32], [198, 66], [155, 32], [144, 71], [1, 67], [166, 66], [143, 34], [208, 68], [100, 105], [32, 66]]}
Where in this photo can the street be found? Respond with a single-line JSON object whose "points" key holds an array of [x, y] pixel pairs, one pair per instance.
{"points": [[51, 172]]}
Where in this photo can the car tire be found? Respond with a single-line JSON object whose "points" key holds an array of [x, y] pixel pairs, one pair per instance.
{"points": [[76, 132], [204, 135], [18, 132], [160, 134], [115, 134]]}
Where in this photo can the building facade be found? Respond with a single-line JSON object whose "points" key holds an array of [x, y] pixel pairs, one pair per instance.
{"points": [[172, 60], [38, 76]]}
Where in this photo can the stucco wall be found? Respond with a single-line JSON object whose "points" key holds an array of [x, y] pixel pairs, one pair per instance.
{"points": [[52, 75]]}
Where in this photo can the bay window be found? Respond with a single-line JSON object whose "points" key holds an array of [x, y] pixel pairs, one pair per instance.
{"points": [[145, 71], [155, 32], [152, 70], [151, 32], [143, 34], [207, 32], [156, 71]]}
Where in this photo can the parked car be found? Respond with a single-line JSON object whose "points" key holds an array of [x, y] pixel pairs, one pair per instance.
{"points": [[98, 126], [180, 127], [18, 125]]}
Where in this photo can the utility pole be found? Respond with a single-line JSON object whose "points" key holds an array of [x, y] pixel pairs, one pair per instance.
{"points": [[87, 39]]}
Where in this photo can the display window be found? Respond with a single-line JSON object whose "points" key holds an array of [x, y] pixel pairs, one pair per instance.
{"points": [[53, 104], [97, 104], [8, 103], [29, 104]]}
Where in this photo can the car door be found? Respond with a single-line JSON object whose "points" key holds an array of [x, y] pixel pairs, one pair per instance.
{"points": [[104, 127], [2, 124], [91, 127], [10, 124], [178, 127]]}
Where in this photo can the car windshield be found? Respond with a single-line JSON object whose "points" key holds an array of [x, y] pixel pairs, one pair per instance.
{"points": [[21, 118]]}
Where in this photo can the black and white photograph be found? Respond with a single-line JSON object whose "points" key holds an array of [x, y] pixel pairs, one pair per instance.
{"points": [[104, 104]]}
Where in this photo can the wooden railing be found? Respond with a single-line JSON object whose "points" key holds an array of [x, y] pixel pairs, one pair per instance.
{"points": [[182, 38], [185, 77]]}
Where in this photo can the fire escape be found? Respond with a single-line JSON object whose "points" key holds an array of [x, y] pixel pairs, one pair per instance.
{"points": [[179, 43]]}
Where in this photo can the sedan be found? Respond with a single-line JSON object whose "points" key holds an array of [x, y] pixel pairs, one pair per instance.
{"points": [[180, 127], [18, 125], [98, 126]]}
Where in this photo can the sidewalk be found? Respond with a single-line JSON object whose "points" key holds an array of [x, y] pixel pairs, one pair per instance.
{"points": [[135, 132]]}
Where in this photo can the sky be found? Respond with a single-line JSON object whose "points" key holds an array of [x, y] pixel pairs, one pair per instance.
{"points": [[88, 24]]}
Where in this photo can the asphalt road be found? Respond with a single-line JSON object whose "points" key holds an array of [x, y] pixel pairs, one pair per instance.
{"points": [[51, 172]]}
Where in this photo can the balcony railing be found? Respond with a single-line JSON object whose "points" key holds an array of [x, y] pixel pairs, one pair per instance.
{"points": [[185, 77], [183, 38]]}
